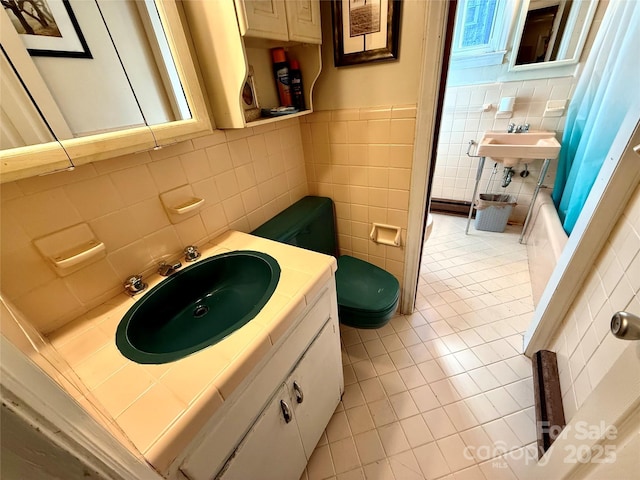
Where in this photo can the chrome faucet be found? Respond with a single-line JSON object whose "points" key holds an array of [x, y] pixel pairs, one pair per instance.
{"points": [[134, 285], [191, 253], [167, 269], [512, 128]]}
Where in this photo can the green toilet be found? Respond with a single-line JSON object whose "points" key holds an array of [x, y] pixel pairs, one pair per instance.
{"points": [[367, 295]]}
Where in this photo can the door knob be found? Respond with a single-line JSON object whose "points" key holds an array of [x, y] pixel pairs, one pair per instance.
{"points": [[626, 326]]}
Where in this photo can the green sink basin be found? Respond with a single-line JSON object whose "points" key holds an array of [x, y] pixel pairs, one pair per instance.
{"points": [[197, 306]]}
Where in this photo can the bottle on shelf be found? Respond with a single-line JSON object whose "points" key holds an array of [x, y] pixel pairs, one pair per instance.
{"points": [[282, 76], [295, 80]]}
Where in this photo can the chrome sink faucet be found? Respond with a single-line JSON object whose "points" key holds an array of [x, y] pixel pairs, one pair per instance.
{"points": [[134, 285], [167, 269], [512, 128], [191, 253]]}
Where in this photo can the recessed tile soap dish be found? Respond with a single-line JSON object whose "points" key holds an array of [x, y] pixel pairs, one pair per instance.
{"points": [[181, 203], [186, 207], [71, 249]]}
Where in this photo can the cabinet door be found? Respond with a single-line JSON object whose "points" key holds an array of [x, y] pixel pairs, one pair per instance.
{"points": [[272, 449], [266, 19], [314, 386], [303, 19]]}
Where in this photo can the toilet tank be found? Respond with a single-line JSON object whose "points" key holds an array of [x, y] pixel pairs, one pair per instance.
{"points": [[308, 223]]}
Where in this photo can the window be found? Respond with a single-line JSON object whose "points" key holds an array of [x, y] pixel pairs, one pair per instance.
{"points": [[477, 23], [481, 31]]}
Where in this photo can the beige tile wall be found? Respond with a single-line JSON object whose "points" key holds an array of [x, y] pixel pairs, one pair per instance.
{"points": [[362, 158], [584, 346], [245, 176], [41, 353], [464, 120]]}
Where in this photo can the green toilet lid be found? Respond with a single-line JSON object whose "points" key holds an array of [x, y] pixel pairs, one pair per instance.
{"points": [[363, 286]]}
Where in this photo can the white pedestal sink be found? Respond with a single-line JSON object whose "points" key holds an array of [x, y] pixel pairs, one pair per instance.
{"points": [[514, 148]]}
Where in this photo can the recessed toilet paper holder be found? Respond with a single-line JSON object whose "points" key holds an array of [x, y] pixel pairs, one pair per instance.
{"points": [[386, 234]]}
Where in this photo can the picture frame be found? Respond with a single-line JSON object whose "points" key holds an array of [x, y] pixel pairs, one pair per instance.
{"points": [[49, 29], [365, 31]]}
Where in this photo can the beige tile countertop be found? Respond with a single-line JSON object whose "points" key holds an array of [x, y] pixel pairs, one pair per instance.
{"points": [[162, 407]]}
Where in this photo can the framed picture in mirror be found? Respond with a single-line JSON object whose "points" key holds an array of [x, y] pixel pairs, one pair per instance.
{"points": [[48, 28], [365, 30]]}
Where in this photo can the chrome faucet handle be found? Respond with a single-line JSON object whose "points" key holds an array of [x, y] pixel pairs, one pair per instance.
{"points": [[511, 128], [167, 269], [134, 285], [191, 253], [525, 127]]}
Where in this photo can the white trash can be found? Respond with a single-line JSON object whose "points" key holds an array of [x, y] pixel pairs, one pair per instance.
{"points": [[492, 211]]}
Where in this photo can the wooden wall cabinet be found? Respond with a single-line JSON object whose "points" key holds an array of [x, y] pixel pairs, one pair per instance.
{"points": [[229, 39], [286, 20]]}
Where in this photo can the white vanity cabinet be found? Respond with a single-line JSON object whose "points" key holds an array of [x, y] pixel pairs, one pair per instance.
{"points": [[286, 20], [272, 450], [312, 387], [269, 427], [283, 438]]}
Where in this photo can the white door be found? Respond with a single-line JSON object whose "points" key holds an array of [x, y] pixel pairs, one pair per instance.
{"points": [[616, 456], [314, 386], [272, 449], [601, 439], [626, 464]]}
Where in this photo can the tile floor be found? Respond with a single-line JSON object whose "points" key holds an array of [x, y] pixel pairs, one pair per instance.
{"points": [[444, 392]]}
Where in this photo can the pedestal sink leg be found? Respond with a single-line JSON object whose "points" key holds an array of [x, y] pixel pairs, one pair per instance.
{"points": [[475, 191], [543, 173]]}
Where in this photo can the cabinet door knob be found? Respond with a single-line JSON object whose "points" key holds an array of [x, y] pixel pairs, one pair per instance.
{"points": [[286, 411], [299, 393]]}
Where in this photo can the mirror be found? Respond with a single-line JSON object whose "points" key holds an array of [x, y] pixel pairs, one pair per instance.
{"points": [[128, 84], [551, 33], [21, 121]]}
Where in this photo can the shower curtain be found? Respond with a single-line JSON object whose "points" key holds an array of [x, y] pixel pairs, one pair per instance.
{"points": [[606, 89]]}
